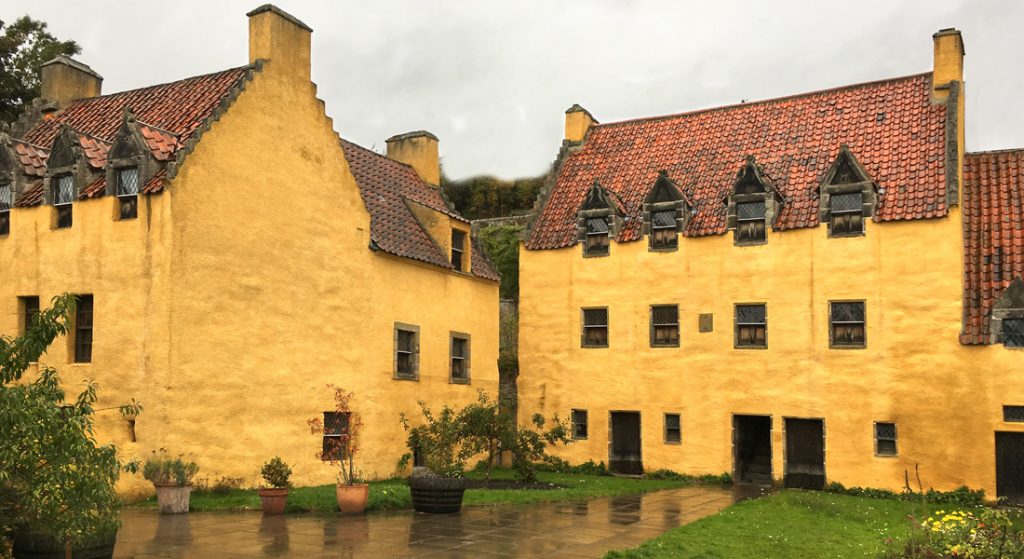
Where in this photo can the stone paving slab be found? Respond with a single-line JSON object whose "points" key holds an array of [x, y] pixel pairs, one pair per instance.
{"points": [[569, 529]]}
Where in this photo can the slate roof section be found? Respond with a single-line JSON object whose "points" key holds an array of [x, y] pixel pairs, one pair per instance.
{"points": [[891, 126], [386, 187], [993, 206], [178, 107]]}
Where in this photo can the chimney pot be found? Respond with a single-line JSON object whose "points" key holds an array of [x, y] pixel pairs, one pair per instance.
{"points": [[419, 150], [63, 80], [281, 38]]}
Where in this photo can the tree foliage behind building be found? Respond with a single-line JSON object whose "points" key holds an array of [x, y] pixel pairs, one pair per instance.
{"points": [[25, 45], [486, 197]]}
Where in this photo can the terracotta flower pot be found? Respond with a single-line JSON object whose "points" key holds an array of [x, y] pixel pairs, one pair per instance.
{"points": [[352, 498], [173, 499], [274, 499]]}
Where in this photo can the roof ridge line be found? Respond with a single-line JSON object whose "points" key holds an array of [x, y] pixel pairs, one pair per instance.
{"points": [[762, 101], [994, 151], [243, 67]]}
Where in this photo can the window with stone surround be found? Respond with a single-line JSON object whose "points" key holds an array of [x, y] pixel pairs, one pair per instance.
{"points": [[1013, 414], [751, 222], [1013, 332], [666, 213], [63, 197], [83, 329], [595, 327], [579, 424], [335, 436], [753, 204], [752, 326], [847, 196], [459, 346], [597, 221], [6, 203], [847, 326], [664, 326], [846, 214], [29, 307], [673, 429], [128, 192], [598, 236], [885, 439], [407, 351]]}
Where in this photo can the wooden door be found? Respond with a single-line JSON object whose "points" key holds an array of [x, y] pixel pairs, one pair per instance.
{"points": [[805, 453], [1010, 467], [624, 453]]}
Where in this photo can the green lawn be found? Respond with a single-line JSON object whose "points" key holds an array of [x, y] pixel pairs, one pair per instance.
{"points": [[791, 524], [394, 494]]}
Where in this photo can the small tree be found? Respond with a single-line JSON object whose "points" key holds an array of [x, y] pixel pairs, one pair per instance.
{"points": [[346, 444], [55, 480], [438, 440]]}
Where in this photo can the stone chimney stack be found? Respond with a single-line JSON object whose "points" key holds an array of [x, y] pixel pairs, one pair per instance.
{"points": [[577, 122], [281, 39], [949, 61], [419, 151], [63, 80]]}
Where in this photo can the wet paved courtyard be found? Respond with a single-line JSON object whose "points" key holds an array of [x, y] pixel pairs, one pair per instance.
{"points": [[569, 529]]}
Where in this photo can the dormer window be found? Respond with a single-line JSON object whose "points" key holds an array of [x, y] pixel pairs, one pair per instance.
{"points": [[753, 204], [598, 237], [1013, 332], [458, 249], [847, 196], [128, 192], [665, 214], [63, 196], [1007, 321], [6, 201], [596, 221]]}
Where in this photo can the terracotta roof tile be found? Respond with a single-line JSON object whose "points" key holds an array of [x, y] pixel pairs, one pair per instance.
{"points": [[95, 189], [993, 206], [387, 187], [32, 196], [162, 143], [177, 107], [95, 150], [155, 183], [891, 126], [32, 158]]}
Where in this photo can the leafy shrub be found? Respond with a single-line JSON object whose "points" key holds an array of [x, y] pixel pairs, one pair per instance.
{"points": [[961, 496], [276, 473], [978, 533], [709, 479], [347, 445], [160, 469], [556, 464]]}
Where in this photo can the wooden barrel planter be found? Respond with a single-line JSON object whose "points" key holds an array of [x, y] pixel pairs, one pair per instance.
{"points": [[172, 498], [35, 546], [435, 494]]}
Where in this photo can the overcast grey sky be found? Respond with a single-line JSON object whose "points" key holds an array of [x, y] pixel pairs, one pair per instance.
{"points": [[493, 79]]}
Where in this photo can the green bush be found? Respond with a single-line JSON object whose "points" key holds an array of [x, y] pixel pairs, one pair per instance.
{"points": [[556, 464], [276, 473], [163, 470], [980, 533], [708, 479], [961, 496]]}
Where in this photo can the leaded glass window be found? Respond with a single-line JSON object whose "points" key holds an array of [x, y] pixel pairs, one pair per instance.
{"points": [[664, 229], [1013, 332], [406, 351], [751, 222], [665, 325], [885, 439], [595, 328], [335, 439], [848, 324], [128, 192], [458, 248], [752, 326], [64, 190], [459, 358], [847, 214], [673, 429], [1013, 414], [579, 424], [598, 236], [6, 201]]}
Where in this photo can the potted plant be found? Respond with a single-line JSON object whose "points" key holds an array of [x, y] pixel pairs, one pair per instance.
{"points": [[438, 486], [340, 429], [274, 497], [172, 478], [57, 496]]}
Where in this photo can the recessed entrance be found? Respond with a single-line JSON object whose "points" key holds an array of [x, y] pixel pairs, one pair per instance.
{"points": [[805, 453], [1010, 467], [752, 448], [624, 449]]}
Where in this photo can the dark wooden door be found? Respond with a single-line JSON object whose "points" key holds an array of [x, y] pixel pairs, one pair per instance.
{"points": [[1010, 467], [805, 453], [624, 454]]}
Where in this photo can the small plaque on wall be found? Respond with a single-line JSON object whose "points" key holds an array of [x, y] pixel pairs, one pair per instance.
{"points": [[706, 322]]}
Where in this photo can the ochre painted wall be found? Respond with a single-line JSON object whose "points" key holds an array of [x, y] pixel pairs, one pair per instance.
{"points": [[945, 398], [245, 289]]}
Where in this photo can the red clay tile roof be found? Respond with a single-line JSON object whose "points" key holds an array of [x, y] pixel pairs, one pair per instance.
{"points": [[155, 183], [32, 158], [177, 107], [385, 186], [95, 189], [162, 143], [891, 127], [95, 150], [32, 196], [993, 206]]}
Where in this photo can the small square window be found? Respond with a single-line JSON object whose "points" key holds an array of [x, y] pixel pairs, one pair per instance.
{"points": [[752, 326], [751, 222], [458, 249], [846, 214], [1013, 332], [598, 236], [579, 424], [406, 351], [673, 429], [665, 326], [847, 324], [595, 328], [459, 358], [1013, 414], [335, 439], [29, 312], [664, 230], [885, 439]]}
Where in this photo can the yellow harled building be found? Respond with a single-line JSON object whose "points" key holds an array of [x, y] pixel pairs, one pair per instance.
{"points": [[234, 255], [817, 288]]}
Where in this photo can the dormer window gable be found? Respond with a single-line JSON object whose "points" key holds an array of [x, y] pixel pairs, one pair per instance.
{"points": [[666, 213], [597, 221], [753, 205], [847, 196], [1007, 320], [67, 171], [131, 163]]}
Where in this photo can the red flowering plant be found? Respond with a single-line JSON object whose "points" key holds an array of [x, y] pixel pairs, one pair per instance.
{"points": [[339, 429]]}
